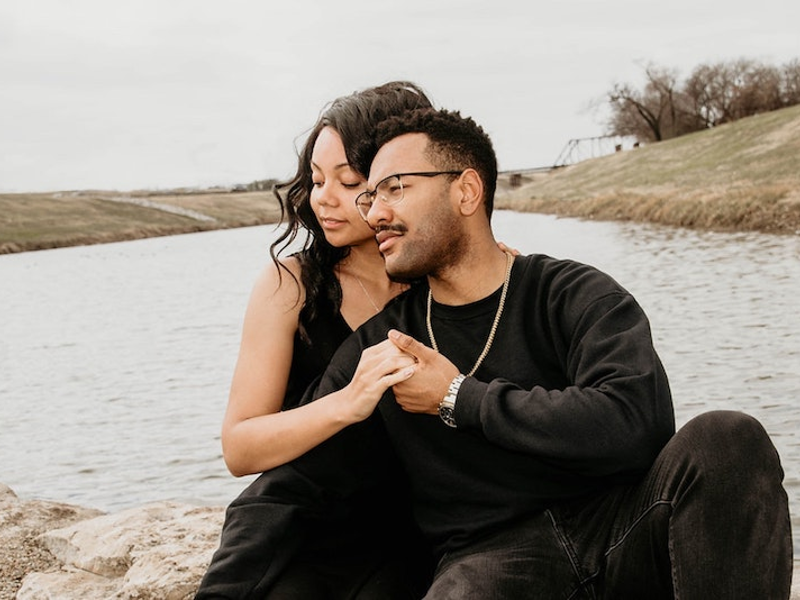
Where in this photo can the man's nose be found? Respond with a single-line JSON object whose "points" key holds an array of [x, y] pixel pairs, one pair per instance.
{"points": [[379, 212]]}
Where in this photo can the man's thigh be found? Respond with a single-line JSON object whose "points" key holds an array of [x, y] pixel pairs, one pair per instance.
{"points": [[527, 560]]}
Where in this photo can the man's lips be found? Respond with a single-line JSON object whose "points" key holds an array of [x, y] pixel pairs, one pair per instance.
{"points": [[386, 235]]}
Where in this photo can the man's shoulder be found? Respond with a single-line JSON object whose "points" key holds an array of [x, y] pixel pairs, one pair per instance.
{"points": [[546, 265], [560, 273], [547, 261]]}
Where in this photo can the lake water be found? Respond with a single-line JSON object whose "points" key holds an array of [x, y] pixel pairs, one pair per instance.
{"points": [[115, 359]]}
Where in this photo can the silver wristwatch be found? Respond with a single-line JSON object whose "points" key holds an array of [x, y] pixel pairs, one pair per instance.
{"points": [[447, 407]]}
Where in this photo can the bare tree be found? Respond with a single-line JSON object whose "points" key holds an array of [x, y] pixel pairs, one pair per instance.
{"points": [[758, 88], [710, 92], [713, 94], [654, 113], [790, 82]]}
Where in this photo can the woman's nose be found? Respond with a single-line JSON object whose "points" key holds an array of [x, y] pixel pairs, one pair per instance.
{"points": [[326, 197]]}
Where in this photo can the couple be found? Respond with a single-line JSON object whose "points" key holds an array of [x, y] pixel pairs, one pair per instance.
{"points": [[502, 429]]}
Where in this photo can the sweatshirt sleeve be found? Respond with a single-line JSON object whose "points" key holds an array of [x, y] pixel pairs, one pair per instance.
{"points": [[612, 414]]}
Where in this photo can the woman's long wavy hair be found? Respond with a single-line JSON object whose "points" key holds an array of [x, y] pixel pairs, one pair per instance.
{"points": [[355, 118]]}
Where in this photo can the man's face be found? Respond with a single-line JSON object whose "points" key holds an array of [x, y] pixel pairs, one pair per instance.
{"points": [[422, 233]]}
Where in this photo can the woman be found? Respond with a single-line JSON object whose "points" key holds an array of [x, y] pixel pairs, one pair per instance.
{"points": [[301, 309]]}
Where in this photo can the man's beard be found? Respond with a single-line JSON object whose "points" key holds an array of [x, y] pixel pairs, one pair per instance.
{"points": [[440, 243]]}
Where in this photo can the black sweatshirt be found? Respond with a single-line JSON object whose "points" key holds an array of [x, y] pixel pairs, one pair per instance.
{"points": [[571, 399]]}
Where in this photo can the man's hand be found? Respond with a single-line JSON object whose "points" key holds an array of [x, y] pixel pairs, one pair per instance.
{"points": [[423, 391]]}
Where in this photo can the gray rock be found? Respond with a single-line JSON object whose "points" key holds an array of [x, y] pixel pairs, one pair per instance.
{"points": [[21, 523], [158, 551]]}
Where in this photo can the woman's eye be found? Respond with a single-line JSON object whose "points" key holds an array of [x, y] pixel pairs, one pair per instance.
{"points": [[352, 186]]}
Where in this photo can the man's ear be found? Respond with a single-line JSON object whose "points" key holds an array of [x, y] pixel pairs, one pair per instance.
{"points": [[472, 192]]}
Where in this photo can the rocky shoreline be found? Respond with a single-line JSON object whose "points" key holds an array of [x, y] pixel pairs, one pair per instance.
{"points": [[158, 551], [50, 550]]}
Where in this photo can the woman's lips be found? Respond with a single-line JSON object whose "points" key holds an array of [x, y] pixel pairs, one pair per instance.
{"points": [[329, 223]]}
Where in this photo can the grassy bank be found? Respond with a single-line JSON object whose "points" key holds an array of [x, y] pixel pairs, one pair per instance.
{"points": [[744, 176], [39, 221]]}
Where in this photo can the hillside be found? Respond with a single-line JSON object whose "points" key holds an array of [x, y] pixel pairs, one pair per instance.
{"points": [[740, 176], [39, 221]]}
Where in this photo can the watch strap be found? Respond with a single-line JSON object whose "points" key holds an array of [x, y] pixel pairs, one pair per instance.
{"points": [[447, 406]]}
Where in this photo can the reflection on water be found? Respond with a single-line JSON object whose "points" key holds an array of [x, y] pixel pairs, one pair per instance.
{"points": [[116, 358]]}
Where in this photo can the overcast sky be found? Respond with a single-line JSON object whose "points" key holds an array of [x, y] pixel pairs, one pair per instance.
{"points": [[161, 93]]}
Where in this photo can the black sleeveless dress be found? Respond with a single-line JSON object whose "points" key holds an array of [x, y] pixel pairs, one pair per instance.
{"points": [[312, 353], [373, 551]]}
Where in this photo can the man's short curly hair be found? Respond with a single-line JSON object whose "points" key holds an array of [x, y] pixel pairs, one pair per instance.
{"points": [[455, 143]]}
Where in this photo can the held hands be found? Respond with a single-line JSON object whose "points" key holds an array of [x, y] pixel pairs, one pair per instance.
{"points": [[432, 374], [381, 366]]}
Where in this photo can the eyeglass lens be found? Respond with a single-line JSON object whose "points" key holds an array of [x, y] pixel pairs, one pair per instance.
{"points": [[388, 191]]}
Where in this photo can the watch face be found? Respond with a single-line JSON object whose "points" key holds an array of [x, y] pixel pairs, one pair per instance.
{"points": [[448, 415]]}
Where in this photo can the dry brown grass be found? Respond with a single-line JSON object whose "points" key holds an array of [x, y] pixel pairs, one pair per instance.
{"points": [[39, 221]]}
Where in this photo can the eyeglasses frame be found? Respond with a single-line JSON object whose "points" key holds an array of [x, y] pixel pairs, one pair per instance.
{"points": [[374, 193]]}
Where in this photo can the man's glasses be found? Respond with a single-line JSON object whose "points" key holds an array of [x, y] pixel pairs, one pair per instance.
{"points": [[390, 190]]}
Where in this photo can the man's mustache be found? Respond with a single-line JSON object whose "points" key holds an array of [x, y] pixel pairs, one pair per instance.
{"points": [[392, 228]]}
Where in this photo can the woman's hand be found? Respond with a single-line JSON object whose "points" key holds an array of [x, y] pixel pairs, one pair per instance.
{"points": [[504, 248], [381, 367]]}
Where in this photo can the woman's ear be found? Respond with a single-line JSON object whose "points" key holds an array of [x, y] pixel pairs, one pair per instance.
{"points": [[472, 192]]}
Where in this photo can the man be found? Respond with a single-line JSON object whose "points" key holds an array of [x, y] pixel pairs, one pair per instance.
{"points": [[554, 453], [536, 428]]}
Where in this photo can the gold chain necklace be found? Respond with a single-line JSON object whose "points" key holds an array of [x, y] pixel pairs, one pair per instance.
{"points": [[366, 293], [492, 332]]}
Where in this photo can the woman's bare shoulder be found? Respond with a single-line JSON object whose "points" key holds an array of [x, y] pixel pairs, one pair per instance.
{"points": [[280, 282]]}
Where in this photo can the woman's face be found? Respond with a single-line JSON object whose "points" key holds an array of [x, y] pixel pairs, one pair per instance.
{"points": [[334, 190]]}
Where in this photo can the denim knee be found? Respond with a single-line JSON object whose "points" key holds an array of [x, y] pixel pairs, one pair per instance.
{"points": [[731, 438]]}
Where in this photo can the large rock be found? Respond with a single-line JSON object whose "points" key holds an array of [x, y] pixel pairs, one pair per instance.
{"points": [[21, 523], [158, 551]]}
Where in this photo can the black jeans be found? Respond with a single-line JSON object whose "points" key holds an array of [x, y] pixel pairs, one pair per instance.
{"points": [[710, 520]]}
